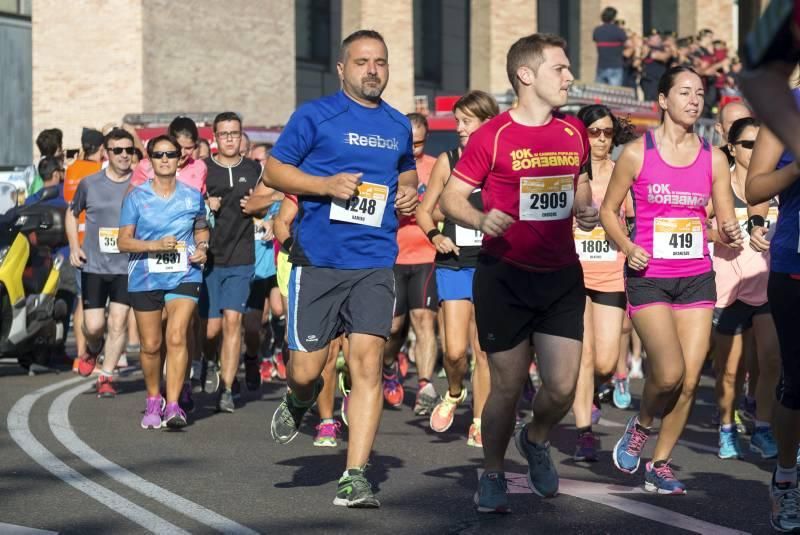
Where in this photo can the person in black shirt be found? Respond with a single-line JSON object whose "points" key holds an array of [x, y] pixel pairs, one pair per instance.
{"points": [[610, 39], [231, 257], [657, 58]]}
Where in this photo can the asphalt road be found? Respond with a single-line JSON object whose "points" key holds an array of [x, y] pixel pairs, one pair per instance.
{"points": [[72, 463]]}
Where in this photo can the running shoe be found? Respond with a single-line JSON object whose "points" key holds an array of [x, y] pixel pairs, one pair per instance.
{"points": [[211, 377], [635, 371], [444, 413], [628, 449], [427, 399], [528, 391], [267, 370], [542, 475], [737, 418], [785, 516], [75, 364], [186, 401], [533, 373], [195, 373], [763, 442], [280, 367], [474, 437], [344, 386], [392, 389], [87, 363], [355, 491], [492, 493], [327, 433], [225, 401], [122, 361], [236, 390], [622, 394], [152, 413], [105, 387], [252, 373], [729, 447], [343, 410], [287, 417], [661, 479], [402, 364], [174, 417], [586, 448]]}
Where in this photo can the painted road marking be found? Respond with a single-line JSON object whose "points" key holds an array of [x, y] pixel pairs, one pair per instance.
{"points": [[609, 495], [20, 432], [58, 417], [11, 529]]}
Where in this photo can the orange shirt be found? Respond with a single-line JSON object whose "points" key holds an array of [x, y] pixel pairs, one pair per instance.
{"points": [[415, 247], [75, 173]]}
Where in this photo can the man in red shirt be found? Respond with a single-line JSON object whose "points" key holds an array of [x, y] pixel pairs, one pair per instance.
{"points": [[528, 286]]}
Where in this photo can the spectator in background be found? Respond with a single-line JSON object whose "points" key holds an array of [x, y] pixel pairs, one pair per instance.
{"points": [[244, 145], [136, 158], [656, 60], [259, 152], [203, 150], [610, 39], [50, 144], [712, 65], [632, 60]]}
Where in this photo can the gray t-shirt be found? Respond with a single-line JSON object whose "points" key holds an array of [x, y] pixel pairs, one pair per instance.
{"points": [[101, 198]]}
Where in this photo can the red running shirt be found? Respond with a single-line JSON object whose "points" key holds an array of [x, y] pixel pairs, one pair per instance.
{"points": [[530, 173]]}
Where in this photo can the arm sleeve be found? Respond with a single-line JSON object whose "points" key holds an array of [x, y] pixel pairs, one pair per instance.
{"points": [[476, 162], [129, 215], [78, 203], [297, 138]]}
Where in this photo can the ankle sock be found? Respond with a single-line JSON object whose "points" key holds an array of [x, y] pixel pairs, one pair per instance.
{"points": [[786, 475]]}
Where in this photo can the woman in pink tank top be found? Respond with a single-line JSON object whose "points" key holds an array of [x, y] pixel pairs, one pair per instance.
{"points": [[743, 325], [671, 173]]}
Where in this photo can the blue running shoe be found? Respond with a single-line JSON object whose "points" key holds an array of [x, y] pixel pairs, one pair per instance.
{"points": [[491, 496], [542, 475], [785, 516], [661, 479], [763, 443], [729, 447], [622, 394], [628, 450]]}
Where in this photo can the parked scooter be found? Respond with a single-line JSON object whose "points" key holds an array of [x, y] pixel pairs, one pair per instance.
{"points": [[31, 317]]}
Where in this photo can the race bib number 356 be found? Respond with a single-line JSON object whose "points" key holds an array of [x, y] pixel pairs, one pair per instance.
{"points": [[169, 261], [593, 246], [675, 238], [365, 208], [546, 198]]}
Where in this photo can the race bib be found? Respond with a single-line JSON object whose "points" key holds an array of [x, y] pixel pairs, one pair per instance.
{"points": [[467, 237], [108, 239], [593, 246], [169, 261], [675, 237], [258, 230], [365, 208], [546, 198]]}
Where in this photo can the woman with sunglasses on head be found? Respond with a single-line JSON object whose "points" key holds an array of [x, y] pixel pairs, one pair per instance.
{"points": [[456, 258], [191, 171], [672, 173], [602, 264], [743, 324], [163, 227]]}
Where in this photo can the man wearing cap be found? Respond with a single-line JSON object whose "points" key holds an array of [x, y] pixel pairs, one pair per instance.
{"points": [[90, 163]]}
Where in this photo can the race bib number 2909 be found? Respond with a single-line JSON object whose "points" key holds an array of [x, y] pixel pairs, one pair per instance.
{"points": [[546, 198], [366, 207]]}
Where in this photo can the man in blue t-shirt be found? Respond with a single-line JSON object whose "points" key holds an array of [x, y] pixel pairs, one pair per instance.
{"points": [[349, 159], [610, 39]]}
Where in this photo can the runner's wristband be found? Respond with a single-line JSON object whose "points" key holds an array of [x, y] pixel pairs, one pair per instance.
{"points": [[754, 221], [433, 233], [286, 246]]}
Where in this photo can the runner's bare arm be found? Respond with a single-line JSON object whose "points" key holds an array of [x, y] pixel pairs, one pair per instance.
{"points": [[126, 243], [455, 205], [625, 171], [257, 204], [201, 236], [586, 215], [427, 209], [763, 180], [283, 221], [730, 233], [441, 170], [407, 199], [289, 179]]}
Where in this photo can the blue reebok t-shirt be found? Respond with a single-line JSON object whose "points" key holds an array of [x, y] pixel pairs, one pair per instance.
{"points": [[335, 134], [156, 217]]}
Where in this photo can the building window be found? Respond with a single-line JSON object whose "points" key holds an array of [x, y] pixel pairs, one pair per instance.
{"points": [[313, 31], [16, 7], [563, 18], [428, 41], [661, 15]]}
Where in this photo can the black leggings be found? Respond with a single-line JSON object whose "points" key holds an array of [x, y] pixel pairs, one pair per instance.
{"points": [[783, 293]]}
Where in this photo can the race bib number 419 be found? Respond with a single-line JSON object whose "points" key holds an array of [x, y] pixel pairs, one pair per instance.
{"points": [[546, 198], [675, 237], [365, 208]]}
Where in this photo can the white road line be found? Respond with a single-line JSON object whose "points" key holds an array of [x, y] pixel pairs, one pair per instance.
{"points": [[58, 417], [20, 432], [11, 529]]}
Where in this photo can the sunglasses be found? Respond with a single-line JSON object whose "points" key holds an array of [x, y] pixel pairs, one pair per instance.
{"points": [[419, 143], [747, 143], [120, 150], [170, 154], [595, 132]]}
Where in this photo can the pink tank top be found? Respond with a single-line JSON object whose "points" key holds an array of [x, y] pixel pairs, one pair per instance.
{"points": [[670, 213]]}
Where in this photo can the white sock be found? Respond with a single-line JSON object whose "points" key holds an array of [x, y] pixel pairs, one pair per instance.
{"points": [[786, 475]]}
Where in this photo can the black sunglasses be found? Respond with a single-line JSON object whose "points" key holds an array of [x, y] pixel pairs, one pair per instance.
{"points": [[170, 154], [747, 143], [120, 150], [595, 132]]}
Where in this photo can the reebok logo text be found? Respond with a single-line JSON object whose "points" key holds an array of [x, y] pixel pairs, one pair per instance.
{"points": [[374, 140]]}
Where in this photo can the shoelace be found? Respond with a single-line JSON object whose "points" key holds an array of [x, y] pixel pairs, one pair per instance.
{"points": [[789, 503], [636, 443], [623, 388], [329, 430], [499, 481], [153, 406], [665, 472]]}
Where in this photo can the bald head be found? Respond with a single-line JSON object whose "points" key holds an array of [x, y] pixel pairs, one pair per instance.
{"points": [[729, 115]]}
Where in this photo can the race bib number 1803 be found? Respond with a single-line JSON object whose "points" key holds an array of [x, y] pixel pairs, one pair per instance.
{"points": [[546, 198], [365, 208], [593, 246]]}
